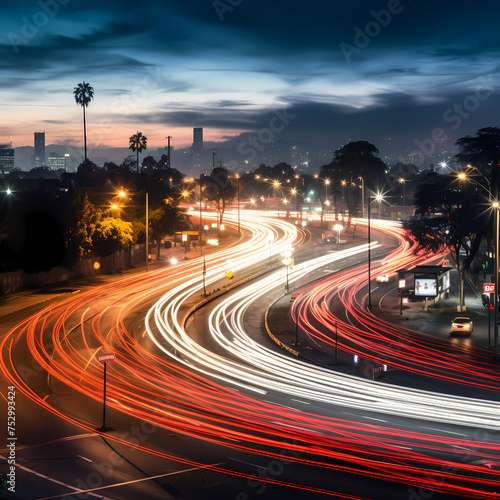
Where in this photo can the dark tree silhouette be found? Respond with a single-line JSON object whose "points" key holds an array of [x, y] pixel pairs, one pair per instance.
{"points": [[219, 189], [483, 153], [84, 93], [352, 162], [138, 142], [452, 218]]}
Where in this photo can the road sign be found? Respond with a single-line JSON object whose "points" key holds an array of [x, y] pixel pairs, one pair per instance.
{"points": [[229, 275], [109, 356], [489, 288], [402, 283]]}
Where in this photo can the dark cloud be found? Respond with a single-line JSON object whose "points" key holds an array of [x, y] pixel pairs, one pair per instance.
{"points": [[407, 68]]}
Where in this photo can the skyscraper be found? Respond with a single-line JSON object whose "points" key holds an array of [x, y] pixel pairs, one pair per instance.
{"points": [[6, 158], [39, 149], [197, 139]]}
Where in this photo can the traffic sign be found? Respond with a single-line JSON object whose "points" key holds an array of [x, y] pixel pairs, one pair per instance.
{"points": [[402, 283], [229, 275], [489, 288], [109, 356]]}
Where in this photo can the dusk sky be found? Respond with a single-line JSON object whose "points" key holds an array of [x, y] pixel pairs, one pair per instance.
{"points": [[364, 70]]}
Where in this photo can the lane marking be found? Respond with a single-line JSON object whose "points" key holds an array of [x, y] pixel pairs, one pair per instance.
{"points": [[116, 485]]}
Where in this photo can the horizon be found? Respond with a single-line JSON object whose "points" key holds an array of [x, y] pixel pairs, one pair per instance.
{"points": [[397, 70]]}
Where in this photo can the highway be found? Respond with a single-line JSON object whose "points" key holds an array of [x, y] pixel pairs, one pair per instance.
{"points": [[231, 399]]}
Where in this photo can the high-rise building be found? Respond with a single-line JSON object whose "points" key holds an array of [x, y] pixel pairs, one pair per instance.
{"points": [[6, 158], [39, 149], [198, 138], [57, 161]]}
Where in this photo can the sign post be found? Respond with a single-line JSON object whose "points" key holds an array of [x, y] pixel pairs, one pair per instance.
{"points": [[489, 288], [402, 284], [104, 358]]}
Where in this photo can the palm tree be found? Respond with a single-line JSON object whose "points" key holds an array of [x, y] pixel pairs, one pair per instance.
{"points": [[138, 142], [84, 93]]}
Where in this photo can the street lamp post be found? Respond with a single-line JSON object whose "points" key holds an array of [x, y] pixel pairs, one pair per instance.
{"points": [[378, 197], [122, 194], [496, 206], [184, 241], [287, 253], [147, 231], [201, 218], [204, 278], [363, 195], [369, 256], [496, 229], [238, 191], [403, 181], [338, 228]]}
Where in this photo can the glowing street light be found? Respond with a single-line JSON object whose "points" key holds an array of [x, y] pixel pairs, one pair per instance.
{"points": [[378, 197], [403, 181], [184, 241], [338, 228]]}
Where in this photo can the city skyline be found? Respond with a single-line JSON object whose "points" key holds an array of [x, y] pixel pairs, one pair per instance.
{"points": [[412, 74]]}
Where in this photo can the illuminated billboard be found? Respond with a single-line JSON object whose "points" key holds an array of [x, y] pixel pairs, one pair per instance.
{"points": [[426, 287]]}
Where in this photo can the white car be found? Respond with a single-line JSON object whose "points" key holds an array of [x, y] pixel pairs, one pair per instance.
{"points": [[462, 324], [383, 278]]}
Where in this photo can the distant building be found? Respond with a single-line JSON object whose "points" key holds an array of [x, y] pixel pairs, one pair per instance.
{"points": [[197, 139], [6, 158], [39, 157], [58, 162]]}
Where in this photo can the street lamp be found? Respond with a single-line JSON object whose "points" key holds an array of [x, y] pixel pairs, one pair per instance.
{"points": [[403, 181], [363, 195], [378, 198], [338, 228], [184, 241], [287, 253], [238, 191], [122, 194], [496, 230], [293, 191], [201, 217], [285, 202], [496, 207], [276, 185]]}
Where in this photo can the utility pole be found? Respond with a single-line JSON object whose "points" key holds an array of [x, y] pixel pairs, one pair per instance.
{"points": [[168, 152], [214, 154], [201, 216]]}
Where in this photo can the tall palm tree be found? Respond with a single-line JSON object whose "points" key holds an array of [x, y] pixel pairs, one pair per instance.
{"points": [[138, 142], [84, 93]]}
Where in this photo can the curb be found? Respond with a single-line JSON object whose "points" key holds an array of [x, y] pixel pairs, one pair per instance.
{"points": [[271, 335], [219, 293], [37, 303]]}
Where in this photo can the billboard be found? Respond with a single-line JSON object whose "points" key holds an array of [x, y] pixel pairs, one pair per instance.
{"points": [[426, 287]]}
